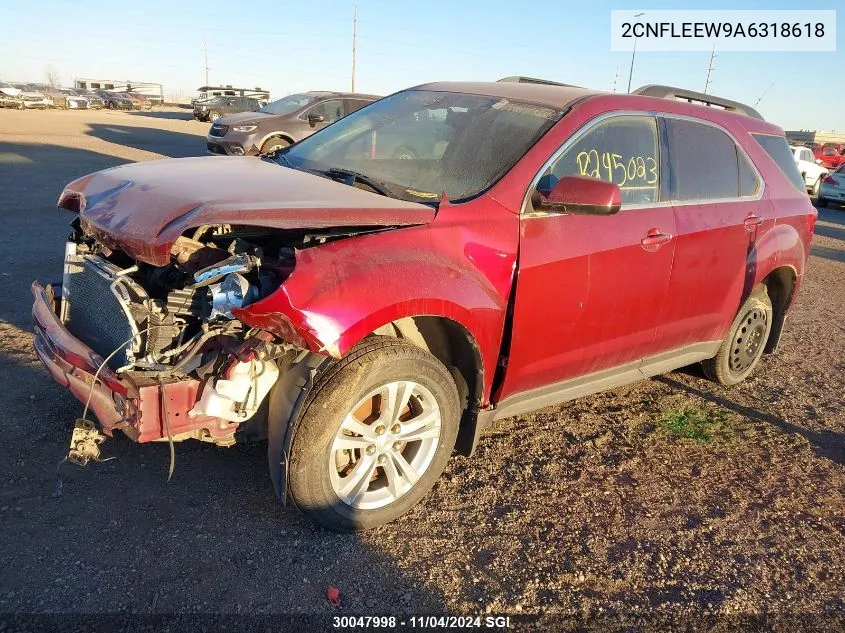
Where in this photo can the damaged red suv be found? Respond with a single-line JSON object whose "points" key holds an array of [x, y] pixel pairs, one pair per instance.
{"points": [[368, 315]]}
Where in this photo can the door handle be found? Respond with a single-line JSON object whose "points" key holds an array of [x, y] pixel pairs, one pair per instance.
{"points": [[752, 220], [654, 239]]}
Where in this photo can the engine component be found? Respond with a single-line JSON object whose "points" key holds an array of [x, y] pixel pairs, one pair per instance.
{"points": [[233, 292], [100, 304], [237, 397], [234, 264]]}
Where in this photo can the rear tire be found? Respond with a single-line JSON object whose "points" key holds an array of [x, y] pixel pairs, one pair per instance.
{"points": [[743, 347], [350, 431]]}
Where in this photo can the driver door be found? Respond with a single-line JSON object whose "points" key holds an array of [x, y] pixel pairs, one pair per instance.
{"points": [[330, 111], [590, 289]]}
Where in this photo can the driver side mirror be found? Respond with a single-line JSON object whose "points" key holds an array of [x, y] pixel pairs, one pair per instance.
{"points": [[579, 195], [313, 119]]}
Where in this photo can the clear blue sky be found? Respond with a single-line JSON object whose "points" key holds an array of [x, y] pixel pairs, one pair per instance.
{"points": [[290, 46]]}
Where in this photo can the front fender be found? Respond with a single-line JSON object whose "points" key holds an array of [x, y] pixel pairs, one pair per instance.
{"points": [[342, 291]]}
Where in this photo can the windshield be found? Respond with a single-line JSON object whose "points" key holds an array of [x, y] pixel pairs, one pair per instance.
{"points": [[418, 144], [287, 105]]}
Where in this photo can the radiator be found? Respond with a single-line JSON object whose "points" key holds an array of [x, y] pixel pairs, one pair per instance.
{"points": [[97, 308]]}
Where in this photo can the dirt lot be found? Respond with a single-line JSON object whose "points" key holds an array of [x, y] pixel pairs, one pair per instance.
{"points": [[596, 509]]}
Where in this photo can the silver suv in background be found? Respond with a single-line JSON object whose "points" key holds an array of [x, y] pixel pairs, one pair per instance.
{"points": [[281, 122]]}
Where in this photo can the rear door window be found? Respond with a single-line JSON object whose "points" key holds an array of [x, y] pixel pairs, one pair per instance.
{"points": [[778, 149], [622, 150], [703, 161], [355, 104]]}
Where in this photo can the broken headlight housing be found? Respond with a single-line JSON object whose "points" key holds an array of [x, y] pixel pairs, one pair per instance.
{"points": [[234, 291]]}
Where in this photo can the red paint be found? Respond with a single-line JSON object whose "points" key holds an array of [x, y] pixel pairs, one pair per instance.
{"points": [[118, 402], [592, 292], [143, 208], [831, 161]]}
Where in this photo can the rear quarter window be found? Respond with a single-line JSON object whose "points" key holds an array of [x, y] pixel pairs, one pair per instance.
{"points": [[703, 161], [778, 149]]}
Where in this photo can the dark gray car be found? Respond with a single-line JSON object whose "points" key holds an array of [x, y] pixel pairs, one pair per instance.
{"points": [[218, 107], [281, 123]]}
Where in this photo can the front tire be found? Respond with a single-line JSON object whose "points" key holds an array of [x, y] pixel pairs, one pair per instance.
{"points": [[274, 144], [743, 347], [213, 116], [375, 433]]}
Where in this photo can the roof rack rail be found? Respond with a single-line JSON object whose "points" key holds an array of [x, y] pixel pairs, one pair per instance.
{"points": [[670, 92], [518, 79]]}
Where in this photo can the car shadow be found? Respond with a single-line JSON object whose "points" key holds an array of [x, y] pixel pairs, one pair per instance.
{"points": [[166, 142], [828, 444], [184, 115]]}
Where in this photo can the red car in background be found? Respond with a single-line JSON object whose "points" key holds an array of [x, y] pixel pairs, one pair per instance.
{"points": [[832, 155], [139, 101]]}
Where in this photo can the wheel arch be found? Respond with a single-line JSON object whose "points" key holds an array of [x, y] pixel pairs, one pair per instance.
{"points": [[280, 134], [454, 345], [781, 285]]}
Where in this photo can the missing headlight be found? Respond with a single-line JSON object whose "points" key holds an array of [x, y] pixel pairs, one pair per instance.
{"points": [[233, 292]]}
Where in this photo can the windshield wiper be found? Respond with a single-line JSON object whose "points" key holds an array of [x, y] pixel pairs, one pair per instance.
{"points": [[349, 177]]}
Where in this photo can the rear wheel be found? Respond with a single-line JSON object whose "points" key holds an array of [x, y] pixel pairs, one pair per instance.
{"points": [[375, 434], [743, 347], [274, 144]]}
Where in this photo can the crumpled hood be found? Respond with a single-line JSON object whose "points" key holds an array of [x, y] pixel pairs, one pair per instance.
{"points": [[143, 208]]}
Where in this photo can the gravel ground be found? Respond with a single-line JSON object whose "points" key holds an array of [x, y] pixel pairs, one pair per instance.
{"points": [[589, 512]]}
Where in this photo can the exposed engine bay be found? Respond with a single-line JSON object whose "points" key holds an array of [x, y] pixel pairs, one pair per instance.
{"points": [[177, 321]]}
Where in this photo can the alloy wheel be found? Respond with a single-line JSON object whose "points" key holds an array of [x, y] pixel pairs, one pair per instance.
{"points": [[384, 445]]}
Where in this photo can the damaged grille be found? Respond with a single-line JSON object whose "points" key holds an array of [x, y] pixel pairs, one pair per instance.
{"points": [[96, 311]]}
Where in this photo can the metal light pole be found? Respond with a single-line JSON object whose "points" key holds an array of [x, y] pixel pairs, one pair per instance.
{"points": [[634, 54], [354, 43]]}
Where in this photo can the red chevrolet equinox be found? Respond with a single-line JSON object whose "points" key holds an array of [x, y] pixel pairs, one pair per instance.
{"points": [[367, 311]]}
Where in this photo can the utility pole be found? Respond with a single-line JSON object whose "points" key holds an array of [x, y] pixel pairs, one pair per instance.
{"points": [[354, 43], [205, 47], [710, 69], [634, 54]]}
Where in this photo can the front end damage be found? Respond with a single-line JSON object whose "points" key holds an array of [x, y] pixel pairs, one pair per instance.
{"points": [[158, 352]]}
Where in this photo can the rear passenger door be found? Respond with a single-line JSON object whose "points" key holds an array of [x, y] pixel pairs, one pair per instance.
{"points": [[719, 211], [352, 105]]}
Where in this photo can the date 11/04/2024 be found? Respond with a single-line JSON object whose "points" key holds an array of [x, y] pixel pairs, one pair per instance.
{"points": [[495, 622]]}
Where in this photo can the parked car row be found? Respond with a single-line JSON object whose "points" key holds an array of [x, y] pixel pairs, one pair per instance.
{"points": [[811, 169], [40, 96]]}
